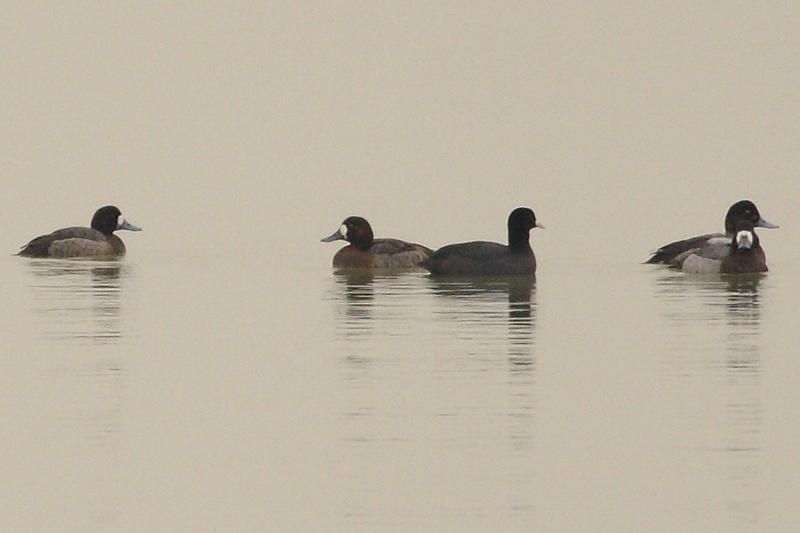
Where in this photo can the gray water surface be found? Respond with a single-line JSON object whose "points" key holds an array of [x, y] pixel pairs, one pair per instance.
{"points": [[394, 400]]}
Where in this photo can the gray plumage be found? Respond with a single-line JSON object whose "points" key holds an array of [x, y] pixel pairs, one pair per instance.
{"points": [[706, 246]]}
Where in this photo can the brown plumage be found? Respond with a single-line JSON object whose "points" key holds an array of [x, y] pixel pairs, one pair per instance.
{"points": [[366, 252], [97, 241]]}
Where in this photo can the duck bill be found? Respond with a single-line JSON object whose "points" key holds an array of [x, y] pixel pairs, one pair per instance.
{"points": [[764, 224], [128, 226], [539, 225], [333, 237]]}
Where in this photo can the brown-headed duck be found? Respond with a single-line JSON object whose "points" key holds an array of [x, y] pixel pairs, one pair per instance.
{"points": [[365, 251]]}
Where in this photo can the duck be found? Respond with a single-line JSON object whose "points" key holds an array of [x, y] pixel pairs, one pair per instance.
{"points": [[367, 252], [96, 241], [491, 258], [715, 244], [744, 254]]}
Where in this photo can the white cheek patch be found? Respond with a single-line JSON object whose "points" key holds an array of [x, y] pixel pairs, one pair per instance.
{"points": [[120, 221], [744, 239], [343, 230]]}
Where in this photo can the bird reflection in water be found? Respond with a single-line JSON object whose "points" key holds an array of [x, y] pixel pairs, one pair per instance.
{"points": [[79, 300], [368, 307], [358, 293], [720, 316], [475, 301], [414, 348], [77, 309], [78, 306], [745, 404]]}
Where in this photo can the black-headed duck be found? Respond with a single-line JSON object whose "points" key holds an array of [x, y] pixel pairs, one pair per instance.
{"points": [[491, 258], [714, 244], [365, 251], [97, 241], [743, 254]]}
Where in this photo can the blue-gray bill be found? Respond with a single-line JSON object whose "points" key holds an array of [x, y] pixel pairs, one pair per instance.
{"points": [[334, 237], [128, 226], [764, 224]]}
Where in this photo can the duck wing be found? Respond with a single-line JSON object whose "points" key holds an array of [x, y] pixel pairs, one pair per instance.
{"points": [[706, 259], [668, 254], [397, 253], [40, 246]]}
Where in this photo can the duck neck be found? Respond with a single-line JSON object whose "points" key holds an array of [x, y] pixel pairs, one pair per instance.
{"points": [[747, 251], [105, 231], [362, 238], [362, 245], [363, 241]]}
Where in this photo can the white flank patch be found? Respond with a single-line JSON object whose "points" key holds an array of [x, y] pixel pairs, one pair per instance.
{"points": [[718, 240]]}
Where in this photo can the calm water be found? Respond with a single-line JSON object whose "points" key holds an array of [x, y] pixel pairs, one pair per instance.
{"points": [[618, 397], [222, 378]]}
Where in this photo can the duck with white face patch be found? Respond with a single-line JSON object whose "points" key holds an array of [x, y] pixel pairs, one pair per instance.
{"points": [[746, 253], [742, 254], [97, 241], [367, 252], [711, 245]]}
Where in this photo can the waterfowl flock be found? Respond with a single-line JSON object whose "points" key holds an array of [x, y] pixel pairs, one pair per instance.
{"points": [[737, 250]]}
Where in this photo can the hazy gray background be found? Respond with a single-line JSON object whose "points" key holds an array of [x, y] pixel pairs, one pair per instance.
{"points": [[211, 120], [237, 136]]}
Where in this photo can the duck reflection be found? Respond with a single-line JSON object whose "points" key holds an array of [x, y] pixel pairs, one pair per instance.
{"points": [[77, 305], [448, 362], [358, 295], [370, 305], [726, 312], [79, 300], [745, 404]]}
